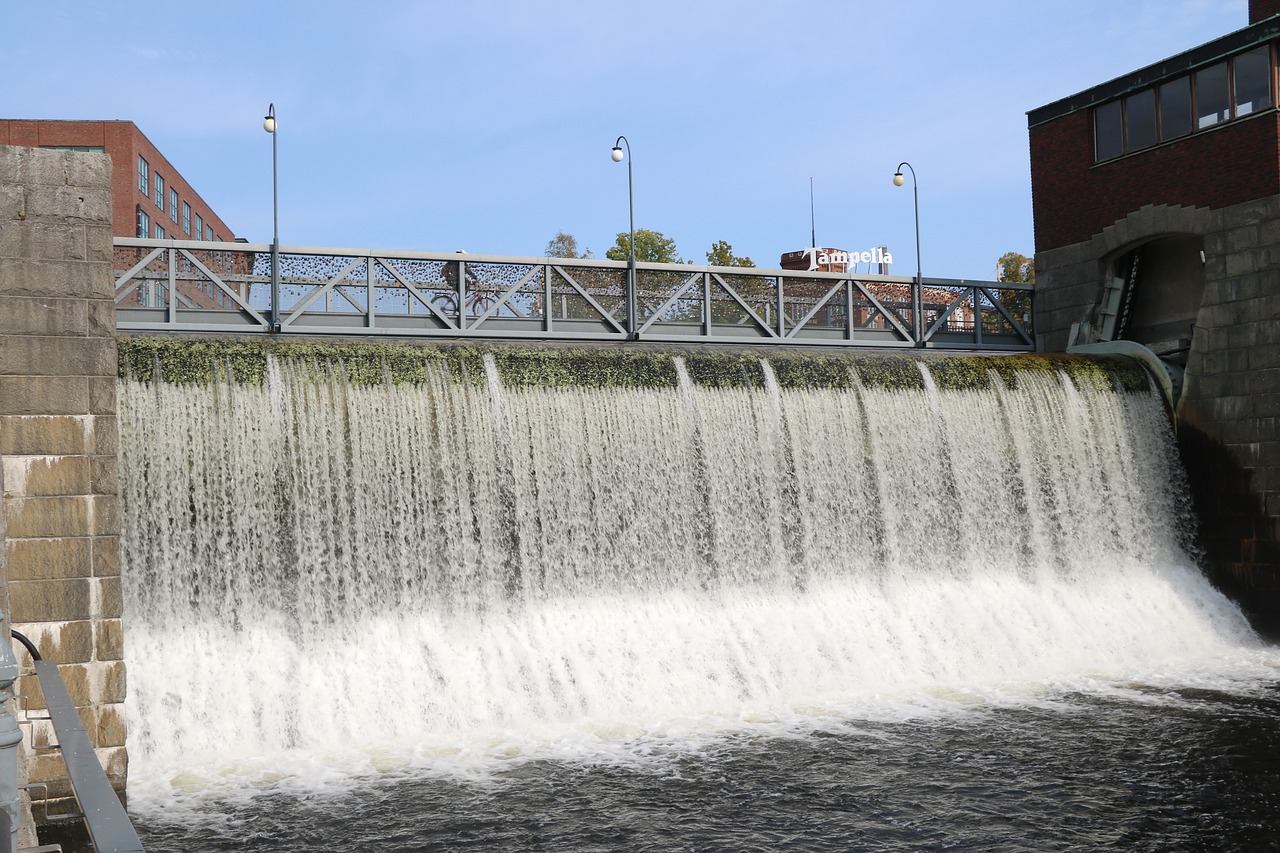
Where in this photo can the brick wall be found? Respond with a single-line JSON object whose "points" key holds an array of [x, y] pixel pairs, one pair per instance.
{"points": [[1260, 10], [60, 506], [124, 143], [1073, 198]]}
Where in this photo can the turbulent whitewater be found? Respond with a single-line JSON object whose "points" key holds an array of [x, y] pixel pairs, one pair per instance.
{"points": [[327, 579]]}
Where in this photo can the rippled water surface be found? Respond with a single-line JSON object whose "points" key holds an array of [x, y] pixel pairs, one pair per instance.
{"points": [[1155, 770]]}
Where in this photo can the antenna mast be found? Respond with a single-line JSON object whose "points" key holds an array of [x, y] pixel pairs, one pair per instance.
{"points": [[813, 227]]}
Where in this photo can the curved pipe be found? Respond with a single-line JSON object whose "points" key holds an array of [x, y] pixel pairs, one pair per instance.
{"points": [[31, 647]]}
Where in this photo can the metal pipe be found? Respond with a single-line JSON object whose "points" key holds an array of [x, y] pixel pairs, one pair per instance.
{"points": [[105, 817], [30, 646]]}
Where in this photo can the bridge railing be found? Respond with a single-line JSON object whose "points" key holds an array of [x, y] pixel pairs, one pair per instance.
{"points": [[197, 286]]}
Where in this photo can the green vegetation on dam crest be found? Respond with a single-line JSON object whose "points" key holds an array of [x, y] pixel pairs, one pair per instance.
{"points": [[198, 360]]}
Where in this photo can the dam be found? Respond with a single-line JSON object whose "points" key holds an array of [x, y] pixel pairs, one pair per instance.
{"points": [[370, 572]]}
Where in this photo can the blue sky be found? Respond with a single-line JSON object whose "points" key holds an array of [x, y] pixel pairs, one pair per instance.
{"points": [[486, 126]]}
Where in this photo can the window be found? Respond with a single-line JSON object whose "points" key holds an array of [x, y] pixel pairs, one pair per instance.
{"points": [[159, 191], [186, 218], [199, 227], [1252, 73], [1175, 108], [144, 179], [173, 205], [89, 149], [159, 232], [1108, 131], [144, 224], [1140, 120], [208, 233], [1219, 93], [1212, 102]]}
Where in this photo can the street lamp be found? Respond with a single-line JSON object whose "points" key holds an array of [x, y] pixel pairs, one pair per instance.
{"points": [[917, 296], [632, 334], [269, 125]]}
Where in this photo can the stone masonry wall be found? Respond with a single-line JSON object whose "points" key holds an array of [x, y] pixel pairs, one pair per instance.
{"points": [[60, 507], [1229, 412], [1229, 416]]}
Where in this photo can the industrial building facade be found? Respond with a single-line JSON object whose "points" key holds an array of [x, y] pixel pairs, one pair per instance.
{"points": [[150, 198], [1156, 199]]}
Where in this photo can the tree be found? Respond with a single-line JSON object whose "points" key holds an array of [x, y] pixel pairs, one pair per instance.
{"points": [[1014, 267], [721, 255], [755, 290], [651, 247], [565, 246]]}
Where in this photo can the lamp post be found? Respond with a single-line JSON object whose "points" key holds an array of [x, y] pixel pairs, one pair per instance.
{"points": [[632, 334], [917, 296], [269, 125]]}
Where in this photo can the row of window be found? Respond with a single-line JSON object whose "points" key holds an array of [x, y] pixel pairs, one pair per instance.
{"points": [[145, 183], [89, 149], [151, 295], [1228, 90], [203, 231]]}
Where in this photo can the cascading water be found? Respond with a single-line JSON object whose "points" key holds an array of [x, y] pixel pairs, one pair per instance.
{"points": [[328, 579]]}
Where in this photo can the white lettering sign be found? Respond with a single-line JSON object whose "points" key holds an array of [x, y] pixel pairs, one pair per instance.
{"points": [[826, 257]]}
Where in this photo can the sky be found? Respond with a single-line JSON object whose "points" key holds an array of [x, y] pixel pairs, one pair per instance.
{"points": [[486, 126]]}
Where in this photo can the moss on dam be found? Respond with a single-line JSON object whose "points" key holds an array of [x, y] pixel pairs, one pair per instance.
{"points": [[186, 360]]}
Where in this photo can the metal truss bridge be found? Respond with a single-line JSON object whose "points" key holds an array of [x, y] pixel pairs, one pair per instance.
{"points": [[196, 286]]}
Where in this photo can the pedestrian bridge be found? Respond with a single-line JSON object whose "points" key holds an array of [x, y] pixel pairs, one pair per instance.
{"points": [[196, 286]]}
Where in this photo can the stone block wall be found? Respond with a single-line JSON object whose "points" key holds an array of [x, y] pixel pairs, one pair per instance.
{"points": [[1069, 280], [60, 512], [1229, 412], [1229, 416]]}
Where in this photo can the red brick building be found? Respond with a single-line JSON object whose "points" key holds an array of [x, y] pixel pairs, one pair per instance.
{"points": [[1156, 198], [150, 198]]}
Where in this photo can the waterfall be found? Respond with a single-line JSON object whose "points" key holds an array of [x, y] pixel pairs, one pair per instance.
{"points": [[328, 577]]}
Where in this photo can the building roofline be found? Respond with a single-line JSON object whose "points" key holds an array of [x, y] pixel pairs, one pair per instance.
{"points": [[1174, 66]]}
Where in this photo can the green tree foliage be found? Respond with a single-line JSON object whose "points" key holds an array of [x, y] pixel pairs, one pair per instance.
{"points": [[651, 247], [1015, 267], [565, 246], [755, 290], [721, 255]]}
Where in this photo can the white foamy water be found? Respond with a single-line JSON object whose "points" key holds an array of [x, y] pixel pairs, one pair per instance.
{"points": [[325, 581]]}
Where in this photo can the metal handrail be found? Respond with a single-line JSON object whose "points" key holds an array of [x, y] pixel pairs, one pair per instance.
{"points": [[201, 286], [105, 818]]}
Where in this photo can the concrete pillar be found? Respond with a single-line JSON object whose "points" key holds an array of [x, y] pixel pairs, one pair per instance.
{"points": [[60, 515]]}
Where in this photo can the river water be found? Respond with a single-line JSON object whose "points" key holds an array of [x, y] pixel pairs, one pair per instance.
{"points": [[474, 615], [1111, 769]]}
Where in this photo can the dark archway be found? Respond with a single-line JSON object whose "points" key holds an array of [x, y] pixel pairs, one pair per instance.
{"points": [[1161, 286]]}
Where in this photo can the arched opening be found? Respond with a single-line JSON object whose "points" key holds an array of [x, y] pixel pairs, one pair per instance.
{"points": [[1156, 291]]}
